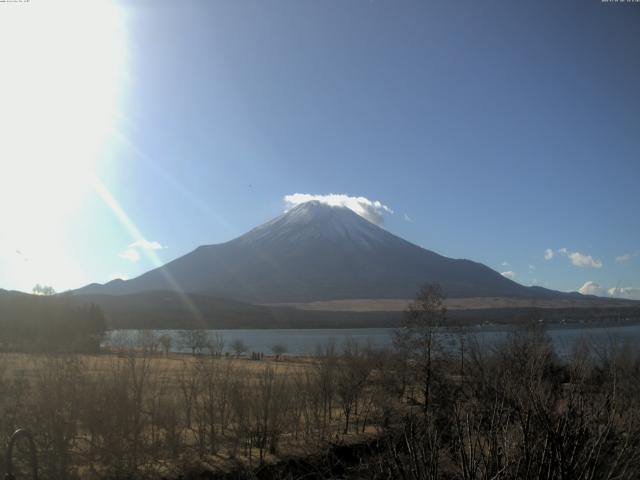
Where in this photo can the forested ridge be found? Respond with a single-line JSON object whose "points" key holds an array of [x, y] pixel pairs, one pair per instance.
{"points": [[49, 323]]}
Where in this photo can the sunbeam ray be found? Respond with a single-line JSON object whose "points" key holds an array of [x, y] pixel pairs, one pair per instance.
{"points": [[137, 236]]}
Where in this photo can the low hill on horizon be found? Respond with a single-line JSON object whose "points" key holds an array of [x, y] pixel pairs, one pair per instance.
{"points": [[172, 310]]}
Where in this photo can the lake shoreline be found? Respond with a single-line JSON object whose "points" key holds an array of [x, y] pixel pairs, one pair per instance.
{"points": [[303, 342]]}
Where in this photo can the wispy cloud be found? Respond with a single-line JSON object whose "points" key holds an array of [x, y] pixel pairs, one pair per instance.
{"points": [[591, 288], [505, 264], [510, 275], [372, 210], [548, 254], [627, 257], [132, 253], [147, 245], [407, 218]]}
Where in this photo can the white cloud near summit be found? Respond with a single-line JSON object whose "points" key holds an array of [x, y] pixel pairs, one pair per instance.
{"points": [[372, 210], [510, 275]]}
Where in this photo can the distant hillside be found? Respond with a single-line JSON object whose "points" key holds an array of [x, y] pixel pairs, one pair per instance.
{"points": [[315, 252], [49, 323], [168, 310], [466, 303]]}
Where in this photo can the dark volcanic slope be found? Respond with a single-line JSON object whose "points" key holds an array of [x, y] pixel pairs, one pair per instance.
{"points": [[318, 252]]}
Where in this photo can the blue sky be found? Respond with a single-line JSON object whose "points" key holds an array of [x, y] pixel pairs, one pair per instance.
{"points": [[493, 130]]}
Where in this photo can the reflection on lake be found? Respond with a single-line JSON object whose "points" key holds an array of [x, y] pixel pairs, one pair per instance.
{"points": [[307, 341]]}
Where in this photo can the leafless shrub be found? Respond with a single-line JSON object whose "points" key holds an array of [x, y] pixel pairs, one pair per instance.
{"points": [[353, 373], [524, 414]]}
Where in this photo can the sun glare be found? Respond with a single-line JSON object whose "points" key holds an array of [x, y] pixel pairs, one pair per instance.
{"points": [[61, 76]]}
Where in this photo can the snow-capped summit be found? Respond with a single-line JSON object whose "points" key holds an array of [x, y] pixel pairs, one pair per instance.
{"points": [[318, 252], [314, 221]]}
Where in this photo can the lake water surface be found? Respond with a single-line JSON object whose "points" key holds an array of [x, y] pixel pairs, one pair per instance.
{"points": [[307, 341]]}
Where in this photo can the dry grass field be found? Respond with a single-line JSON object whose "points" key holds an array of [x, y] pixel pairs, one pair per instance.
{"points": [[155, 415], [476, 413], [172, 366]]}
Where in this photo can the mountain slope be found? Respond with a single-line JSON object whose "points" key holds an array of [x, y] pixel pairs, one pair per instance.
{"points": [[317, 252]]}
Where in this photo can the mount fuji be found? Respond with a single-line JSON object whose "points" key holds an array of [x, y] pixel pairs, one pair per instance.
{"points": [[316, 252]]}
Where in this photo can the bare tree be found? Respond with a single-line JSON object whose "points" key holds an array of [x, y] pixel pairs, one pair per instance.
{"points": [[326, 373], [423, 320], [215, 344], [147, 341], [165, 341], [352, 377], [194, 340], [239, 347], [270, 404]]}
